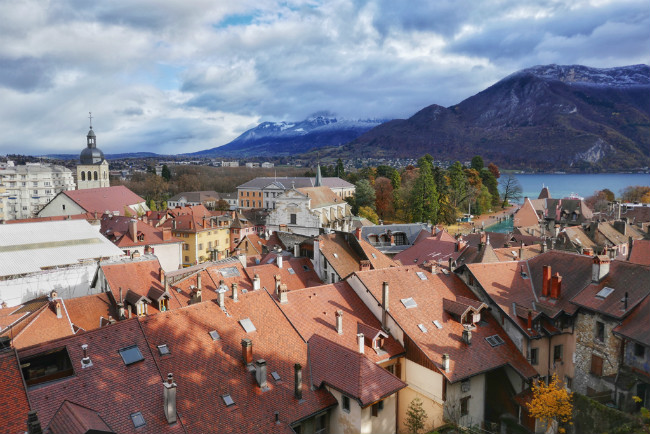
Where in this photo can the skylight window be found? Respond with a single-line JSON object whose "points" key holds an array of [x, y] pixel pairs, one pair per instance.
{"points": [[229, 272], [227, 399], [422, 328], [437, 324], [214, 335], [163, 350], [131, 355], [138, 419], [271, 260], [291, 271], [409, 303], [373, 255], [275, 376], [605, 292], [247, 324], [421, 275], [495, 340], [306, 268], [336, 256]]}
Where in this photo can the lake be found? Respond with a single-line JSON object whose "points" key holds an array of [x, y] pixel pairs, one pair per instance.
{"points": [[562, 185]]}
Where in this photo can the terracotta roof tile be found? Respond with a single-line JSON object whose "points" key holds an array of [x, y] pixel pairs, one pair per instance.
{"points": [[466, 360], [14, 405], [252, 244], [205, 369], [42, 326], [635, 326], [350, 372], [72, 418], [104, 198], [346, 261], [300, 278], [640, 253], [116, 229], [526, 215], [313, 311], [86, 312], [321, 196]]}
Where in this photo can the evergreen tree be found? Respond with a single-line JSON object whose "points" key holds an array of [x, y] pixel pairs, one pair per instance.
{"points": [[477, 163], [340, 170], [166, 173], [492, 185], [424, 196], [457, 184], [395, 180], [152, 205], [416, 417], [364, 195]]}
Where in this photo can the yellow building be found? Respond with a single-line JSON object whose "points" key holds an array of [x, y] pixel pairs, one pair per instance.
{"points": [[205, 237]]}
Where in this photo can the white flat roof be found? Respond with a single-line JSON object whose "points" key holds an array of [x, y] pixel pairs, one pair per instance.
{"points": [[30, 247]]}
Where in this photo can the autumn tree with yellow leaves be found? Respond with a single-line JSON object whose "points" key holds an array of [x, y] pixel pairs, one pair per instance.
{"points": [[551, 403]]}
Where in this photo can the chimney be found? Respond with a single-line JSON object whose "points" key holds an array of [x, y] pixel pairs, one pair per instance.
{"points": [[296, 250], [256, 282], [544, 247], [339, 322], [277, 284], [234, 292], [147, 250], [198, 280], [467, 336], [384, 306], [169, 392], [166, 234], [121, 314], [445, 362], [85, 360], [624, 300], [191, 224], [279, 259], [58, 309], [620, 226], [221, 297], [521, 253], [556, 286], [247, 351], [357, 233], [33, 424], [260, 373], [360, 342], [297, 386], [282, 294], [161, 275], [173, 224], [546, 280], [364, 265], [530, 321], [599, 268], [133, 229], [129, 311], [451, 264]]}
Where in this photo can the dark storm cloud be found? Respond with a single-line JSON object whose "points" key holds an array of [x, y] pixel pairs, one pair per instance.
{"points": [[25, 74]]}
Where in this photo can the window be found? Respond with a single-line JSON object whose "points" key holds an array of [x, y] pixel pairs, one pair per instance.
{"points": [[596, 365], [377, 407], [534, 356], [163, 350], [275, 376], [557, 353], [187, 259], [600, 331], [214, 335], [495, 340], [227, 399], [321, 424], [48, 366], [247, 324], [409, 303], [346, 403], [464, 406], [138, 420], [201, 246], [293, 219], [568, 381], [131, 355], [639, 350]]}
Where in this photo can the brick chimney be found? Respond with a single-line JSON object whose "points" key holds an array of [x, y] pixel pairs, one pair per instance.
{"points": [[256, 282], [191, 224], [599, 268], [198, 280], [297, 381], [148, 250], [364, 265], [277, 284], [166, 234], [360, 342], [357, 233], [546, 280], [279, 260], [169, 393], [221, 297], [58, 309], [445, 362], [33, 424], [282, 294], [339, 322], [235, 296], [161, 275], [247, 351], [260, 373], [530, 321], [467, 336], [384, 306], [556, 286], [133, 229]]}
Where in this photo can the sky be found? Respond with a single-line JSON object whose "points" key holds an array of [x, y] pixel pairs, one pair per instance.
{"points": [[170, 76]]}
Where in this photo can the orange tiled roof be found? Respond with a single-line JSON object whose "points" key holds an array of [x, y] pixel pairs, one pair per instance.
{"points": [[14, 405], [346, 261], [303, 275], [466, 360], [635, 326], [526, 215], [116, 229], [313, 311], [104, 198], [640, 253], [86, 312]]}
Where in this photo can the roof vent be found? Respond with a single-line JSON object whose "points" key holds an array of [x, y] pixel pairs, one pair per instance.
{"points": [[85, 361]]}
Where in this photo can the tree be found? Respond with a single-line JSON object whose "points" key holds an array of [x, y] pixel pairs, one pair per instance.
{"points": [[490, 181], [395, 180], [510, 189], [364, 195], [383, 197], [166, 173], [598, 201], [222, 205], [636, 193], [152, 205], [424, 196], [369, 213], [416, 417], [609, 194], [551, 403], [477, 163], [457, 184], [495, 170], [340, 169]]}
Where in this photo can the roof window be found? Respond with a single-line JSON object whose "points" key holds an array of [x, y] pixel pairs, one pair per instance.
{"points": [[423, 329], [229, 272], [247, 324], [336, 256], [409, 303], [291, 271], [131, 355], [373, 255], [163, 350], [138, 419], [437, 324], [421, 275], [306, 268], [275, 376], [603, 293], [214, 335], [495, 340], [227, 399]]}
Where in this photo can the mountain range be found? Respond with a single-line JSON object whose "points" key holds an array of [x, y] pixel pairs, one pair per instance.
{"points": [[545, 117]]}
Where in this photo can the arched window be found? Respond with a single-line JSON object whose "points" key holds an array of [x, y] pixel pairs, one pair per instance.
{"points": [[95, 175], [83, 175], [90, 176], [105, 174]]}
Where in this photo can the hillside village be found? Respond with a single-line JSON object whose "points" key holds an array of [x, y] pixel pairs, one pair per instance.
{"points": [[286, 312]]}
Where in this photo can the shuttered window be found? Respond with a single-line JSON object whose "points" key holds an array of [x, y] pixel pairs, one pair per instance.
{"points": [[596, 365]]}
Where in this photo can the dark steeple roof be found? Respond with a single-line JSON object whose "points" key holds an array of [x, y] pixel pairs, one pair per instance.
{"points": [[92, 154]]}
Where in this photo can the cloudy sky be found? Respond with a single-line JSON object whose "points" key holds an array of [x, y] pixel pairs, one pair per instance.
{"points": [[171, 76]]}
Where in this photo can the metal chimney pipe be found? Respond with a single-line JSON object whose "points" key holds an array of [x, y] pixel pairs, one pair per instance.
{"points": [[360, 342], [169, 392], [384, 306], [339, 322]]}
